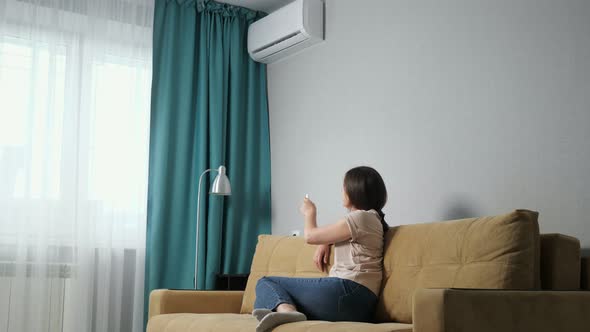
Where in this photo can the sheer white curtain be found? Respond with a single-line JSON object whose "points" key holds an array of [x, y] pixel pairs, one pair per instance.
{"points": [[75, 80]]}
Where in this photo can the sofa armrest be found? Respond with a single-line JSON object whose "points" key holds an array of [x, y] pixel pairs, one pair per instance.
{"points": [[166, 301], [468, 310]]}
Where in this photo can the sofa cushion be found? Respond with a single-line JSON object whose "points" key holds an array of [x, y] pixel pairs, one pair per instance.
{"points": [[247, 323], [560, 262], [283, 256], [202, 323], [323, 326], [500, 252]]}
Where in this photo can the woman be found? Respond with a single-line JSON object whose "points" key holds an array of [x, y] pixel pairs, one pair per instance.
{"points": [[351, 290]]}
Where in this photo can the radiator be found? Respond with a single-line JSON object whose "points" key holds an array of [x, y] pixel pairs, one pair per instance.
{"points": [[61, 308]]}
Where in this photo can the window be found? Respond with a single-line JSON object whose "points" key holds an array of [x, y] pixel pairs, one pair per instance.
{"points": [[74, 134], [28, 126]]}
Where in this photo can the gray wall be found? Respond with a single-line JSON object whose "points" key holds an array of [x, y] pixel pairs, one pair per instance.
{"points": [[466, 108]]}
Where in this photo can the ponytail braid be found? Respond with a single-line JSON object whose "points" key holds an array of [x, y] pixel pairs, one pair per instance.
{"points": [[383, 223]]}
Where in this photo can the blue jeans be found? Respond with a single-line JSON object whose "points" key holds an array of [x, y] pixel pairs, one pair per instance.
{"points": [[331, 299]]}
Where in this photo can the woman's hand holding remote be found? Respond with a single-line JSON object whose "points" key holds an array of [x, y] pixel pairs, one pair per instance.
{"points": [[308, 208]]}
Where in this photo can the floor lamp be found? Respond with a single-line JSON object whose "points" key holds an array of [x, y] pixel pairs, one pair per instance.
{"points": [[220, 187]]}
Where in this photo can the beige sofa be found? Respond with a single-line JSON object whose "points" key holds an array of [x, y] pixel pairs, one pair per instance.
{"points": [[472, 275]]}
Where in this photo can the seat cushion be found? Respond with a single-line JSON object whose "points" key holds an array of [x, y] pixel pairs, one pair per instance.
{"points": [[247, 323], [202, 323], [323, 326], [500, 252]]}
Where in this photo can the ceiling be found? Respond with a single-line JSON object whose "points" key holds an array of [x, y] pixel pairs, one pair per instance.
{"points": [[262, 5]]}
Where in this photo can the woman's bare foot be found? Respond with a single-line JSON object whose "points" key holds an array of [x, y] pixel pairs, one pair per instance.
{"points": [[286, 307]]}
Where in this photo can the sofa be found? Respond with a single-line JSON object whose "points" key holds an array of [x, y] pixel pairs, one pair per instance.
{"points": [[471, 275]]}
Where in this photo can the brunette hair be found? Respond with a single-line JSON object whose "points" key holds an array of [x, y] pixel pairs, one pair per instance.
{"points": [[366, 190]]}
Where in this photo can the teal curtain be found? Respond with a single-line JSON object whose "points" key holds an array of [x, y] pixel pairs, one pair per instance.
{"points": [[209, 108]]}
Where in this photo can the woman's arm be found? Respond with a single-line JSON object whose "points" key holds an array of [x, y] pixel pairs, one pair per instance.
{"points": [[329, 234]]}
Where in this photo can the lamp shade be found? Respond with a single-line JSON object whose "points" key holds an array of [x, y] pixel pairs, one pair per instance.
{"points": [[221, 184]]}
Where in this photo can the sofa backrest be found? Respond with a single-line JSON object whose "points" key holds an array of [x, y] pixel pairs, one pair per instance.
{"points": [[560, 262], [500, 252], [490, 252], [585, 274], [287, 256]]}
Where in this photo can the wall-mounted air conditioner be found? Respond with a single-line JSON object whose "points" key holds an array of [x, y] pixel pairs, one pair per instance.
{"points": [[286, 31]]}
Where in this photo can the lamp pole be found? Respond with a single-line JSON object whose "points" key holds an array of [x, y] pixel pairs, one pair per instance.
{"points": [[221, 186]]}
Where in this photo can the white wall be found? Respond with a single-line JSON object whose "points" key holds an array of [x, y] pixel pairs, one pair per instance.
{"points": [[466, 108]]}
